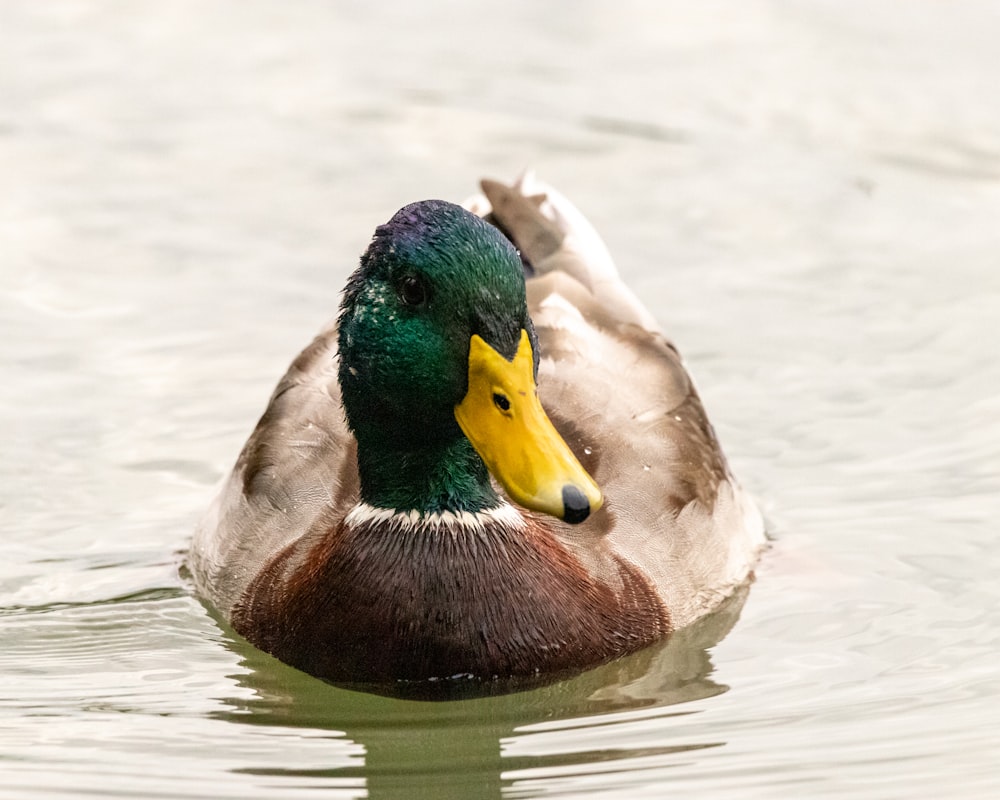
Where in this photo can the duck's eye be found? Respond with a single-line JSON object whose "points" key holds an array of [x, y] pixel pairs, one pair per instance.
{"points": [[501, 401], [412, 291]]}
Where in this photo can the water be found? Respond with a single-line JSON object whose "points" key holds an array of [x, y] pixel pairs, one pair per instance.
{"points": [[805, 193]]}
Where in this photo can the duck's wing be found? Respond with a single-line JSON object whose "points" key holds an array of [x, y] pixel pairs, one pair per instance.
{"points": [[618, 391], [298, 466]]}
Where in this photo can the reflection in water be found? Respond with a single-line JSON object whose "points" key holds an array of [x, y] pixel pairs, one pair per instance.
{"points": [[476, 747]]}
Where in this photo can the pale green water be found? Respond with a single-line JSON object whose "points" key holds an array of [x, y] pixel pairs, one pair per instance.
{"points": [[807, 194]]}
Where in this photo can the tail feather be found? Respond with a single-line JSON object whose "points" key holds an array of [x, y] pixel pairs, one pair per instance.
{"points": [[552, 235]]}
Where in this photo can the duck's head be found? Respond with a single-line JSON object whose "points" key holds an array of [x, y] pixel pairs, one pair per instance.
{"points": [[438, 361]]}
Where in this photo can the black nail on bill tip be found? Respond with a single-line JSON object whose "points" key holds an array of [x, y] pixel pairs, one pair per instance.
{"points": [[576, 508]]}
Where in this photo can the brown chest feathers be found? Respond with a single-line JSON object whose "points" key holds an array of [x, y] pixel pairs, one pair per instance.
{"points": [[375, 602]]}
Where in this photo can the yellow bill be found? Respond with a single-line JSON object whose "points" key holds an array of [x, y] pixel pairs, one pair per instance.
{"points": [[503, 418]]}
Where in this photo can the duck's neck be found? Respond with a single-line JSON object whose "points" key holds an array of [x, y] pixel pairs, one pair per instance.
{"points": [[436, 476]]}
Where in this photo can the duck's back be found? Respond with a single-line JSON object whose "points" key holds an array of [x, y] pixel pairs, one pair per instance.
{"points": [[619, 393]]}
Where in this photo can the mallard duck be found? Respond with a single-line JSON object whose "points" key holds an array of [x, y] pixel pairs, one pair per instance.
{"points": [[491, 464]]}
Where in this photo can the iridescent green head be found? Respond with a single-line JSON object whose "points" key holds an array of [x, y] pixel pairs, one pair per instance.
{"points": [[436, 284]]}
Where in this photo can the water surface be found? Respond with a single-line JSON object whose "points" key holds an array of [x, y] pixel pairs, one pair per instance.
{"points": [[805, 193]]}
